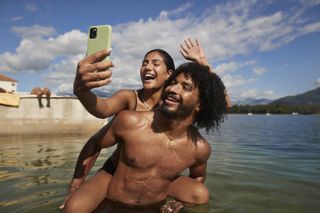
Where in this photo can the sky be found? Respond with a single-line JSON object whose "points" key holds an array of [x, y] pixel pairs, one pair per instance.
{"points": [[261, 49]]}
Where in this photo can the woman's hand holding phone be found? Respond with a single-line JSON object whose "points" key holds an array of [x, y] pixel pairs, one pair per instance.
{"points": [[93, 71]]}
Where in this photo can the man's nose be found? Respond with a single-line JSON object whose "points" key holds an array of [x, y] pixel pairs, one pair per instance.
{"points": [[174, 88]]}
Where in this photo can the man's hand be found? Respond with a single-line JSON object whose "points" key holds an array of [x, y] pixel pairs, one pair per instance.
{"points": [[193, 51], [93, 72]]}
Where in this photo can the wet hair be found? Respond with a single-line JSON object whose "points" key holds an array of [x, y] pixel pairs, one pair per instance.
{"points": [[166, 58], [213, 104]]}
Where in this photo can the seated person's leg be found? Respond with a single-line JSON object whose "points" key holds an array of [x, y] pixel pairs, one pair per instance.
{"points": [[40, 101], [187, 190], [90, 194]]}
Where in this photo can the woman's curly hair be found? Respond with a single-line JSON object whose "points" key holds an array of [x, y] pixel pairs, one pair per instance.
{"points": [[213, 104]]}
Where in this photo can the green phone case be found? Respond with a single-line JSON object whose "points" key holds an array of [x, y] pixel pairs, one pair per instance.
{"points": [[101, 40]]}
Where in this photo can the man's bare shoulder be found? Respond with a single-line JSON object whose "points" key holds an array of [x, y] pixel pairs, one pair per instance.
{"points": [[203, 148]]}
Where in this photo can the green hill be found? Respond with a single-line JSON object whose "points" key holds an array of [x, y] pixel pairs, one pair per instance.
{"points": [[309, 97]]}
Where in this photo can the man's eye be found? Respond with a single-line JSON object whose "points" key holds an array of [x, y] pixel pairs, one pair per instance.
{"points": [[156, 65], [187, 87]]}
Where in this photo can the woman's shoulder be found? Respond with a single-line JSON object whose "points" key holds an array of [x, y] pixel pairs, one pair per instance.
{"points": [[129, 118]]}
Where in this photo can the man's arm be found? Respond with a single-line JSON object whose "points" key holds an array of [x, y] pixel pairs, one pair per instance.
{"points": [[88, 156], [194, 52], [198, 171], [104, 138]]}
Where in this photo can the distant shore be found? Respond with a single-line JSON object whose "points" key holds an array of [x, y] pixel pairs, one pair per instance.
{"points": [[298, 109]]}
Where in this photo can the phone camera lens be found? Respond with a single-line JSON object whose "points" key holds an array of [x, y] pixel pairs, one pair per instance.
{"points": [[93, 32]]}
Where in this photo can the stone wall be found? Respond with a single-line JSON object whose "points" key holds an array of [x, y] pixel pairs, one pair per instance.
{"points": [[66, 115]]}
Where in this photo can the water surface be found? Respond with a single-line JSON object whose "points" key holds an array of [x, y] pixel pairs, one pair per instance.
{"points": [[259, 164]]}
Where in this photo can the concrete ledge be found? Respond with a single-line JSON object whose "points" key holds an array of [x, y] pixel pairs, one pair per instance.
{"points": [[65, 116]]}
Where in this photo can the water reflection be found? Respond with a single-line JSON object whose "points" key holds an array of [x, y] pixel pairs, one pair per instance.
{"points": [[35, 171], [258, 164]]}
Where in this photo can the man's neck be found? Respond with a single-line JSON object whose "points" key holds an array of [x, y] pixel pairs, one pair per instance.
{"points": [[174, 128]]}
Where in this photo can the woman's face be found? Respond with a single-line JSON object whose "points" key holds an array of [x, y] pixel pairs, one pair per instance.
{"points": [[153, 71]]}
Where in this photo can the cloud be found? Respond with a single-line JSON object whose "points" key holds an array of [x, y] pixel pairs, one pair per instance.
{"points": [[227, 67], [33, 31], [259, 70], [61, 75], [36, 53], [16, 18], [232, 66], [31, 7], [236, 28], [255, 94], [310, 3], [234, 81]]}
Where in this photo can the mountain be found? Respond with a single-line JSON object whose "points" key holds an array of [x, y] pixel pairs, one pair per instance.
{"points": [[252, 101], [309, 97]]}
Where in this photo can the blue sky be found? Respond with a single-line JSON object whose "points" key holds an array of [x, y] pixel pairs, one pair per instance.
{"points": [[261, 49]]}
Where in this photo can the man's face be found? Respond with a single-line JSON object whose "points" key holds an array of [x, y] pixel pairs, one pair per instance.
{"points": [[180, 98], [153, 71]]}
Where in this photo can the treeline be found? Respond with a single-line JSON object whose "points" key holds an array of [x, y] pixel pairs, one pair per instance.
{"points": [[276, 109]]}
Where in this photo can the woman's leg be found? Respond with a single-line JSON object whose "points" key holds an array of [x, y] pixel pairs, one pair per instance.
{"points": [[187, 190], [90, 194]]}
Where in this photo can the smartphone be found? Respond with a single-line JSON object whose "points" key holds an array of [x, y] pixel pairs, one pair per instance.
{"points": [[99, 37]]}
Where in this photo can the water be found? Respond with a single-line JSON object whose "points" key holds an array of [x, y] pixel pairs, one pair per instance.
{"points": [[259, 164]]}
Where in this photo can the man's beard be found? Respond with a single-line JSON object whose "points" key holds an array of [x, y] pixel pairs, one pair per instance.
{"points": [[180, 113]]}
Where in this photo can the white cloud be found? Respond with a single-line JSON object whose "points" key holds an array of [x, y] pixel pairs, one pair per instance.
{"points": [[255, 94], [251, 93], [259, 70], [36, 53], [16, 18], [234, 81], [62, 74], [31, 7], [227, 67], [232, 66], [310, 2], [33, 31]]}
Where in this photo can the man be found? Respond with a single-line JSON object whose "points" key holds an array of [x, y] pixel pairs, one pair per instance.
{"points": [[157, 146]]}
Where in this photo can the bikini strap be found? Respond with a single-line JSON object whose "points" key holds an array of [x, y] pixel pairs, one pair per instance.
{"points": [[135, 93]]}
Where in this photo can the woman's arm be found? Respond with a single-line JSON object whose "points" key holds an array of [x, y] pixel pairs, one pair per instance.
{"points": [[93, 72]]}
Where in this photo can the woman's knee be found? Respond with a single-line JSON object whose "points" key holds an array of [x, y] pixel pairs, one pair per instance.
{"points": [[74, 204]]}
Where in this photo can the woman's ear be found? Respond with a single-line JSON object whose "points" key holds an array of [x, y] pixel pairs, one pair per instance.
{"points": [[169, 73]]}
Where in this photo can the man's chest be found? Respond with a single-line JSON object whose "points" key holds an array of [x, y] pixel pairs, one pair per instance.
{"points": [[158, 154]]}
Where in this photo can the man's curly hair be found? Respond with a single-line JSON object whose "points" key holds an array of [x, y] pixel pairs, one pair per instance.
{"points": [[213, 104]]}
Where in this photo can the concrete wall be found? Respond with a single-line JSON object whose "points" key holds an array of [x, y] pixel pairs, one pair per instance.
{"points": [[65, 116]]}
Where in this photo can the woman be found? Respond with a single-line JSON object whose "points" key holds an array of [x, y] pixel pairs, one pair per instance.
{"points": [[155, 69]]}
